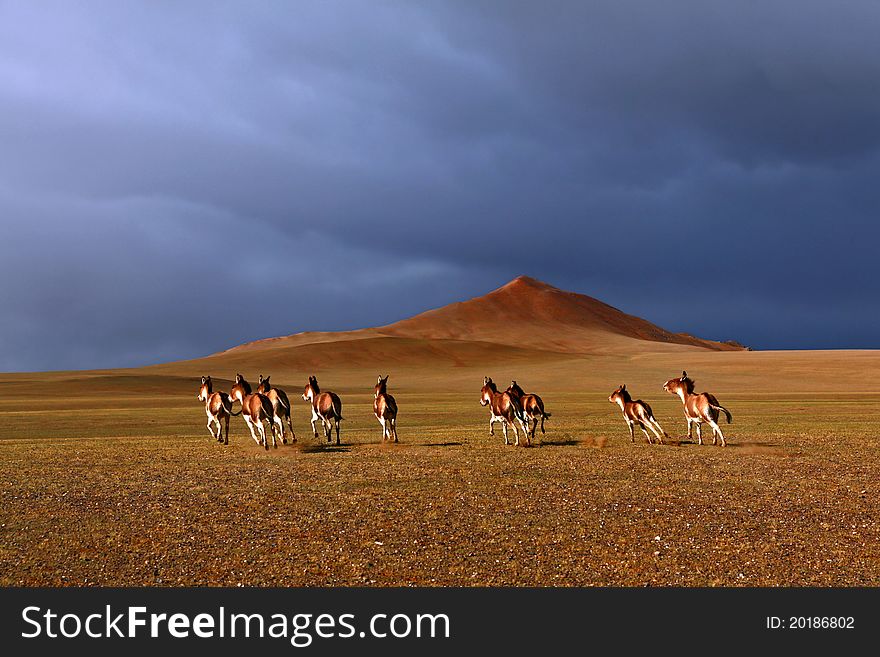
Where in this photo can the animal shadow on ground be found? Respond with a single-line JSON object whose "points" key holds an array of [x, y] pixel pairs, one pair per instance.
{"points": [[567, 440], [450, 443], [313, 448], [678, 442]]}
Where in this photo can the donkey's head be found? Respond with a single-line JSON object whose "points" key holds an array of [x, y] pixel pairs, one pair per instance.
{"points": [[381, 387], [515, 390], [240, 389], [311, 390], [487, 391], [680, 385], [620, 395], [263, 386], [205, 389]]}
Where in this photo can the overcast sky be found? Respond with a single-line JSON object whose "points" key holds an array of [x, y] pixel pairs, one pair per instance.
{"points": [[177, 178]]}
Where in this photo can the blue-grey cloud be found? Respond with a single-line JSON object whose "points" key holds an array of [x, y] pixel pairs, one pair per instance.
{"points": [[175, 178]]}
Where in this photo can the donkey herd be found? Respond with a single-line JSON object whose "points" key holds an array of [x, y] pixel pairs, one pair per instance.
{"points": [[268, 410]]}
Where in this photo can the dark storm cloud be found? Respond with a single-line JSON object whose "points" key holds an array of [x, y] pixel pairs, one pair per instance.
{"points": [[175, 179]]}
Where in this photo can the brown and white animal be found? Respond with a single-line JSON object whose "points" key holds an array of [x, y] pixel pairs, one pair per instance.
{"points": [[532, 405], [698, 408], [385, 409], [280, 407], [637, 413], [505, 408], [256, 409], [326, 406], [218, 406]]}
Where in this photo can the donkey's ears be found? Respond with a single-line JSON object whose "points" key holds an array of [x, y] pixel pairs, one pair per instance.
{"points": [[623, 386], [379, 380], [203, 379], [684, 375]]}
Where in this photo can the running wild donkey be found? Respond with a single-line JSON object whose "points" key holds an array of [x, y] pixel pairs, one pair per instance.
{"points": [[326, 406], [698, 408], [280, 407], [218, 406], [385, 409], [637, 413], [256, 410], [532, 406], [504, 408]]}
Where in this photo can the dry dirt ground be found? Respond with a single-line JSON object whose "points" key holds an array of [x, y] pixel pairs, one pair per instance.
{"points": [[111, 478]]}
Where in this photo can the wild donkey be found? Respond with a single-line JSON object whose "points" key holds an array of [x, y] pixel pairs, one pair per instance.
{"points": [[532, 405], [280, 407], [255, 408], [637, 412], [698, 408], [218, 406], [505, 408], [385, 409], [326, 406]]}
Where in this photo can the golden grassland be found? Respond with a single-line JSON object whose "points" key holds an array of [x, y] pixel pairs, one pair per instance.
{"points": [[111, 478]]}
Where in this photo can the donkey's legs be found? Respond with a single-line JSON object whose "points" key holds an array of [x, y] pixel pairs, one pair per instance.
{"points": [[659, 428], [542, 423], [271, 422], [717, 429], [491, 425], [336, 422], [645, 431], [651, 425], [632, 431], [515, 433], [281, 430], [314, 419], [276, 420], [699, 433], [504, 427], [290, 426], [263, 441], [250, 424], [525, 428], [226, 442], [394, 427], [210, 423], [382, 421]]}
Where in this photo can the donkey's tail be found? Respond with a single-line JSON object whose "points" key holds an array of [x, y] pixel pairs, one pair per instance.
{"points": [[229, 409], [546, 414], [719, 407]]}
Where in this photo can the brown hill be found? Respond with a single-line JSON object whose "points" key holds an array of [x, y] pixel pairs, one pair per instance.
{"points": [[524, 318], [529, 313]]}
